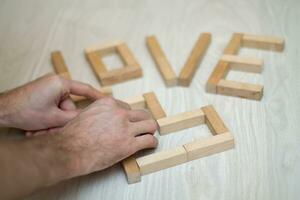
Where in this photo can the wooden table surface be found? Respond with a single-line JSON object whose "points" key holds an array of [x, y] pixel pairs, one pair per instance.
{"points": [[265, 163]]}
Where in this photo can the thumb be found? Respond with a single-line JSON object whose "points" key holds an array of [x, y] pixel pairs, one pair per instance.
{"points": [[64, 116]]}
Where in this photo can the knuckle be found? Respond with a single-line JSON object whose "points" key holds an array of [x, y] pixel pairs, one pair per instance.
{"points": [[153, 124], [122, 113], [107, 100], [146, 113]]}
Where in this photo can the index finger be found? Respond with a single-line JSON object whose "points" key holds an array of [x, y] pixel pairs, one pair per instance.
{"points": [[83, 89]]}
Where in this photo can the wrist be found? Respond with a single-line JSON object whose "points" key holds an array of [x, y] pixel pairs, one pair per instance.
{"points": [[49, 160]]}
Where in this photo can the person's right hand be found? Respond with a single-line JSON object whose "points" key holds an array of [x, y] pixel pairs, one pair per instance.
{"points": [[103, 134]]}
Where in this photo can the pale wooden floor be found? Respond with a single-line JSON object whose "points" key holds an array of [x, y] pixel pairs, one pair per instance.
{"points": [[265, 163]]}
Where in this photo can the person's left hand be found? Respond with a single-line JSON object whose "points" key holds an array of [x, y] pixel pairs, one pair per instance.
{"points": [[43, 103]]}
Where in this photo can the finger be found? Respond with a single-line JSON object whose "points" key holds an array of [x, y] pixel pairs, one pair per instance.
{"points": [[83, 89], [61, 117], [146, 141], [67, 104], [138, 115], [42, 132], [145, 126]]}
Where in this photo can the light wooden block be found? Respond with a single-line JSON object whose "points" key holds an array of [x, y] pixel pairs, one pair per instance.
{"points": [[132, 170], [180, 121], [213, 120], [208, 146], [162, 160], [137, 102], [243, 63], [59, 65], [263, 42], [96, 63], [130, 70], [234, 44], [154, 106], [244, 90], [126, 55], [120, 75], [219, 72], [195, 57], [161, 61]]}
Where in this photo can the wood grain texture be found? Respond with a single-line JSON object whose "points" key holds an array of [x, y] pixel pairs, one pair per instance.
{"points": [[96, 63], [136, 102], [246, 64], [104, 47], [127, 56], [132, 170], [120, 75], [153, 105], [189, 69], [180, 121], [162, 160], [213, 120], [206, 147], [263, 42], [239, 89], [59, 64], [234, 44], [265, 162], [220, 71], [161, 61]]}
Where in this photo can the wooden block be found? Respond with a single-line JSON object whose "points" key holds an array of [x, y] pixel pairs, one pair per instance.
{"points": [[263, 42], [96, 63], [243, 63], [213, 120], [162, 160], [219, 72], [195, 57], [108, 46], [244, 90], [127, 56], [137, 102], [131, 170], [234, 44], [65, 75], [205, 147], [161, 61], [180, 121], [131, 69], [154, 106], [120, 75], [59, 64]]}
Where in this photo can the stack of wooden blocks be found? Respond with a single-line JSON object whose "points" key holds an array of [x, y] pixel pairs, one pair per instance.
{"points": [[229, 60], [222, 139]]}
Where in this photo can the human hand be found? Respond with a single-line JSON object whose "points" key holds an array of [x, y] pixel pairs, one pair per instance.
{"points": [[100, 136], [43, 103]]}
